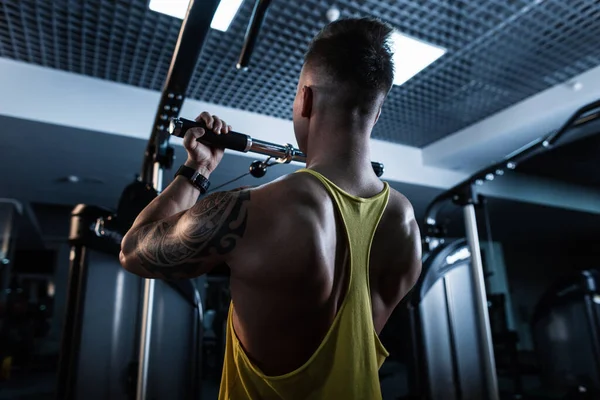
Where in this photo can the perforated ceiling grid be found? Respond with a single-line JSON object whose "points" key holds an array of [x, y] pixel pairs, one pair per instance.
{"points": [[499, 52]]}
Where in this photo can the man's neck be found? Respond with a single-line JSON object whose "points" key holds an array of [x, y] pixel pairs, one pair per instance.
{"points": [[339, 150]]}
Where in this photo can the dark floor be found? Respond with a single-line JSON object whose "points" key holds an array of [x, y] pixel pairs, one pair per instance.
{"points": [[29, 386], [394, 382], [41, 386]]}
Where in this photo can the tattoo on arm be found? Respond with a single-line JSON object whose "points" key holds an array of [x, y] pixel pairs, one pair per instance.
{"points": [[188, 246]]}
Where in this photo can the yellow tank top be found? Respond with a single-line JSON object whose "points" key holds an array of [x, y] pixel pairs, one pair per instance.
{"points": [[346, 363]]}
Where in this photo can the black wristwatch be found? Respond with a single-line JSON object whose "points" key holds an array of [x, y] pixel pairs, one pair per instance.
{"points": [[195, 178]]}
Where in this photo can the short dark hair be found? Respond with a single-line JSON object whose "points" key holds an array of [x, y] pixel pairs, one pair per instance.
{"points": [[355, 51]]}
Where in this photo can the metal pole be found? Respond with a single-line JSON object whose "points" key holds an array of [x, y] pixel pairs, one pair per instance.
{"points": [[71, 333], [142, 383], [147, 311], [485, 332]]}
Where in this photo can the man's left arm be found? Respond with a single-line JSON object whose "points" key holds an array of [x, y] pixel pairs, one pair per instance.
{"points": [[176, 238], [189, 243]]}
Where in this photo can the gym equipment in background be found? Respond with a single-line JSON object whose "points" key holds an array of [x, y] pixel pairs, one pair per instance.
{"points": [[443, 316], [99, 350], [566, 333], [445, 373], [101, 324], [443, 320]]}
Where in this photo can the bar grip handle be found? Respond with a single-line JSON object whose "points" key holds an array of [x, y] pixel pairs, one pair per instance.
{"points": [[233, 140]]}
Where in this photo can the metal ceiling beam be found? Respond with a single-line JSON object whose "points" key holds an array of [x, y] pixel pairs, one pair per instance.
{"points": [[544, 192], [583, 115]]}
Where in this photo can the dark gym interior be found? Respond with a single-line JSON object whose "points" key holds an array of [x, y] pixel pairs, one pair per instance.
{"points": [[496, 144]]}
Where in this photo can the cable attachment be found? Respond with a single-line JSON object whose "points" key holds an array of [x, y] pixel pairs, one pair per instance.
{"points": [[258, 169]]}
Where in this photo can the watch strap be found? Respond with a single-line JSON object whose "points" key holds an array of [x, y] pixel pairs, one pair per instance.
{"points": [[200, 182]]}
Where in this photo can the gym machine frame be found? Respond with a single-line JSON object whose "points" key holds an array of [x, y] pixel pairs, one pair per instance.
{"points": [[159, 155], [465, 194]]}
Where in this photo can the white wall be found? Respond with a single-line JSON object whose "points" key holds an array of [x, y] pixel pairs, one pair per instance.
{"points": [[42, 94], [62, 98]]}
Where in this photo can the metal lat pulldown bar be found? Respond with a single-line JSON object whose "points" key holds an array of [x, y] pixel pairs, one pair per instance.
{"points": [[245, 143]]}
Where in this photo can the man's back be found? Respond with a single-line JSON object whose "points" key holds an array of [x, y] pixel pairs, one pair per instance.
{"points": [[287, 293]]}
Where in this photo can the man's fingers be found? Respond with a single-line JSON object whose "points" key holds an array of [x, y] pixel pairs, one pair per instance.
{"points": [[217, 125], [191, 135], [207, 118], [224, 128], [214, 123]]}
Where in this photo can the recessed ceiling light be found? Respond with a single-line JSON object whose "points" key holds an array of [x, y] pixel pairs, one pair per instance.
{"points": [[333, 14], [174, 8], [177, 8], [411, 56], [575, 85], [225, 14]]}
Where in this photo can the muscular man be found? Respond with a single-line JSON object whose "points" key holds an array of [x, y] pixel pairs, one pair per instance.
{"points": [[319, 259]]}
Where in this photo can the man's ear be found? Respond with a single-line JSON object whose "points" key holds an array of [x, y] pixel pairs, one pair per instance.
{"points": [[307, 101], [378, 114]]}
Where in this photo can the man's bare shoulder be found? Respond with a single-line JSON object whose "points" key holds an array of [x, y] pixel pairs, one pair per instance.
{"points": [[400, 217], [291, 197], [305, 191], [291, 191], [400, 208]]}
